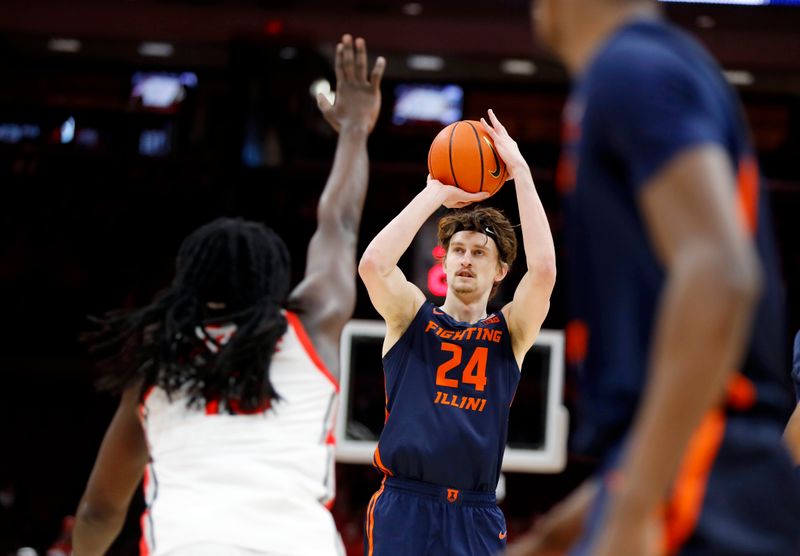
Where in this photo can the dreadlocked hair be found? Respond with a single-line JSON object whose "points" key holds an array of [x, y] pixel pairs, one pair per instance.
{"points": [[239, 266]]}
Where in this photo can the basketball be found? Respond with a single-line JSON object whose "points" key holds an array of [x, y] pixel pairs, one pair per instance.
{"points": [[462, 154]]}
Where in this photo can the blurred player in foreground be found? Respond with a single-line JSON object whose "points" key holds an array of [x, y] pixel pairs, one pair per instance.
{"points": [[678, 329]]}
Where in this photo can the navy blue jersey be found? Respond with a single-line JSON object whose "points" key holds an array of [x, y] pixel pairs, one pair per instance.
{"points": [[449, 387], [650, 93]]}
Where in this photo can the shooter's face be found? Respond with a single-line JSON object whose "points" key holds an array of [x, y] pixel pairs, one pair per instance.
{"points": [[472, 263]]}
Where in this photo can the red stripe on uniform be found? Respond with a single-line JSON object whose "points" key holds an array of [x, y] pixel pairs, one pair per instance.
{"points": [[297, 326], [144, 548]]}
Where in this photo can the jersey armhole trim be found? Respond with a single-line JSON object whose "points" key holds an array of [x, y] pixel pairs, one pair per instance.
{"points": [[402, 337], [305, 341]]}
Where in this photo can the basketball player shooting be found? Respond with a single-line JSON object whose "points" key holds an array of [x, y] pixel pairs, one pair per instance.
{"points": [[228, 400], [451, 371]]}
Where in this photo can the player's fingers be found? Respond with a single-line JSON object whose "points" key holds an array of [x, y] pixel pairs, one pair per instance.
{"points": [[495, 122], [361, 60], [377, 73], [473, 197], [339, 63], [488, 129], [348, 58]]}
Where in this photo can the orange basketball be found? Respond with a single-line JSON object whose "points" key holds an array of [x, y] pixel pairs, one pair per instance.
{"points": [[463, 155]]}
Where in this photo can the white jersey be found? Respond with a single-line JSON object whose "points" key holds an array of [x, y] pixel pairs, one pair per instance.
{"points": [[263, 482]]}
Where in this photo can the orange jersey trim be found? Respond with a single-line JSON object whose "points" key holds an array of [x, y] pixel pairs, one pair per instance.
{"points": [[379, 464], [371, 518], [689, 489], [297, 326], [740, 393], [748, 194]]}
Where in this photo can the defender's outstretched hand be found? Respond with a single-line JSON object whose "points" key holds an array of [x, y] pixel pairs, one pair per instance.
{"points": [[358, 97], [506, 147], [453, 197]]}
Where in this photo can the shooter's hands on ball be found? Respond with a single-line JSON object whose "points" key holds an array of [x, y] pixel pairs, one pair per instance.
{"points": [[454, 197], [506, 147], [358, 99]]}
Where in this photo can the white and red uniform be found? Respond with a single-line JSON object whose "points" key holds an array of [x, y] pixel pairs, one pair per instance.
{"points": [[260, 483]]}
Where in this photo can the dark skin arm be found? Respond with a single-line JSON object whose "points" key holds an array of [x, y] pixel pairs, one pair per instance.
{"points": [[115, 477], [713, 280], [712, 284], [327, 293]]}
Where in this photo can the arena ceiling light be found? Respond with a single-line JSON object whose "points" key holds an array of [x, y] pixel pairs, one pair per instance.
{"points": [[412, 8], [156, 49], [518, 66], [739, 77], [425, 62], [64, 45]]}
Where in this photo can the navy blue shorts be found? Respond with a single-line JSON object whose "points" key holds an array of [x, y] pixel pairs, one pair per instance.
{"points": [[740, 498], [406, 518]]}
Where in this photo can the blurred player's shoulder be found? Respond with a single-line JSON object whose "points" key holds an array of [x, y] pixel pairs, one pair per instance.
{"points": [[647, 49]]}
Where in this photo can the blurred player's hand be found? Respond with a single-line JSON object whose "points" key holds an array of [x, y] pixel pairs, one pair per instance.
{"points": [[358, 96], [506, 147], [630, 533], [453, 197], [534, 544], [549, 537]]}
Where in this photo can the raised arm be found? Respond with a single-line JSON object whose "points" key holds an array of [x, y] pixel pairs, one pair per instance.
{"points": [[327, 293], [526, 312], [395, 298], [712, 283], [116, 474]]}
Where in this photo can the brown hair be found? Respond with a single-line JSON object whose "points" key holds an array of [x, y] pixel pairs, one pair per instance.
{"points": [[485, 220]]}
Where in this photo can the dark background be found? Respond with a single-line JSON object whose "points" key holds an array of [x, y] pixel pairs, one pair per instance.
{"points": [[93, 225]]}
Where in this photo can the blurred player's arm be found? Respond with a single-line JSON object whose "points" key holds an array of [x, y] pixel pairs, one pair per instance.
{"points": [[531, 302], [557, 531], [327, 293], [117, 472], [791, 436], [396, 299], [712, 284]]}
